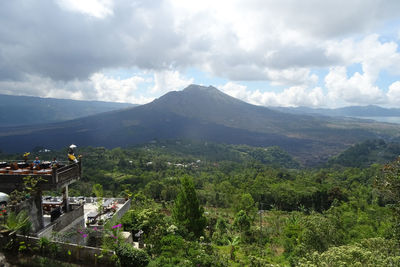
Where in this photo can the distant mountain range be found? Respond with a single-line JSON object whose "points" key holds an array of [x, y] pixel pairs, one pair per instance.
{"points": [[27, 110], [354, 111], [202, 113]]}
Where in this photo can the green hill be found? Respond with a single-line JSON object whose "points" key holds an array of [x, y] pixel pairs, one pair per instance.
{"points": [[366, 153]]}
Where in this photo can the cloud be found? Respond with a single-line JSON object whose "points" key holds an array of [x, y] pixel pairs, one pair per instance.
{"points": [[292, 96], [100, 87], [356, 90], [374, 55], [95, 8], [97, 87], [228, 37], [394, 94], [165, 81], [68, 45], [115, 90], [42, 38]]}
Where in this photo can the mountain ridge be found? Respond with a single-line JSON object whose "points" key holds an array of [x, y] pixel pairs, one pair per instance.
{"points": [[201, 113], [356, 111], [29, 110]]}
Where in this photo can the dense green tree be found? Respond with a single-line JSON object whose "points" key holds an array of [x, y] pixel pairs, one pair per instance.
{"points": [[221, 226], [187, 210], [388, 184], [247, 204], [242, 221]]}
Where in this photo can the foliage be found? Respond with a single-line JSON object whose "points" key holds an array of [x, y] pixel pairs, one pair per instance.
{"points": [[187, 210], [367, 153], [31, 184], [255, 213], [130, 256], [242, 221], [246, 203], [177, 251], [16, 223], [388, 184], [233, 243], [98, 192], [369, 252], [44, 244]]}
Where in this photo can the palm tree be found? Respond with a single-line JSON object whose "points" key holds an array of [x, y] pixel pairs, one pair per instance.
{"points": [[233, 243]]}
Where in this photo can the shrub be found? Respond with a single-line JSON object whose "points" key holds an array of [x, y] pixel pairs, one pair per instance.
{"points": [[130, 256]]}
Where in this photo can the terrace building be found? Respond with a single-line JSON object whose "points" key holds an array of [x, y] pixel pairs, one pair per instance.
{"points": [[49, 178], [80, 219]]}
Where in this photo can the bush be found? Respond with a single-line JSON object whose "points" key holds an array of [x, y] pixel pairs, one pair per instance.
{"points": [[130, 256], [369, 252]]}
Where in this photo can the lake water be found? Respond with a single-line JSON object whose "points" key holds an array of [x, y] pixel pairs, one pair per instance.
{"points": [[382, 119]]}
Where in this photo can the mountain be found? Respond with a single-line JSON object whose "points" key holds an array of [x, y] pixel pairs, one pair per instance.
{"points": [[202, 113], [24, 110], [352, 111]]}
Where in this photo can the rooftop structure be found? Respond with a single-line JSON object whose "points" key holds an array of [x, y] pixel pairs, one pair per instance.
{"points": [[58, 176], [12, 174]]}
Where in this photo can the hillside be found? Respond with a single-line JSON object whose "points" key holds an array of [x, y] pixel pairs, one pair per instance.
{"points": [[192, 150], [351, 111], [366, 153], [27, 110], [202, 113]]}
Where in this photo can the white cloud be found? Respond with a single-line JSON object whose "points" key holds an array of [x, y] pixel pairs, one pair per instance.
{"points": [[94, 8], [300, 76], [66, 44], [292, 96], [394, 94], [373, 54], [115, 90], [236, 90], [165, 81], [98, 87], [356, 90]]}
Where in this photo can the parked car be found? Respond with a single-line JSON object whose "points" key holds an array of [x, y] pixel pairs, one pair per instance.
{"points": [[4, 198]]}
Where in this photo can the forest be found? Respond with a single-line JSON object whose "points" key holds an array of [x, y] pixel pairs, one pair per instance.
{"points": [[208, 204]]}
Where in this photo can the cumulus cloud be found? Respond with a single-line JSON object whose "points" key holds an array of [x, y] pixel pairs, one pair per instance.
{"points": [[373, 54], [358, 89], [289, 97], [64, 46], [97, 87], [165, 81], [115, 90], [394, 93]]}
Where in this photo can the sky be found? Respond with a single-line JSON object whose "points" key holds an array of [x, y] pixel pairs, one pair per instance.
{"points": [[266, 52]]}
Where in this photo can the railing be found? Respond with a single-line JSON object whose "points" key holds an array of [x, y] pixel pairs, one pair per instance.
{"points": [[55, 177], [8, 162], [66, 173]]}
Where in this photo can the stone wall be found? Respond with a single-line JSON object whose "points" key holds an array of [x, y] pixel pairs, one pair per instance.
{"points": [[65, 220], [33, 206], [121, 211], [82, 255]]}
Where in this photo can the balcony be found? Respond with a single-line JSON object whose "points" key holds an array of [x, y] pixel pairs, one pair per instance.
{"points": [[52, 178]]}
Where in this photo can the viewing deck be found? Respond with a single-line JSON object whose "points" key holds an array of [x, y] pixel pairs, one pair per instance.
{"points": [[54, 178]]}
